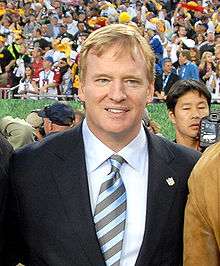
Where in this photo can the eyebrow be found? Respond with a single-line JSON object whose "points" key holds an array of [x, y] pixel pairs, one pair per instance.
{"points": [[202, 102]]}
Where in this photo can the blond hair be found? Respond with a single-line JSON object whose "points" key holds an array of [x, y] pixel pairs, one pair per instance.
{"points": [[126, 37], [204, 59]]}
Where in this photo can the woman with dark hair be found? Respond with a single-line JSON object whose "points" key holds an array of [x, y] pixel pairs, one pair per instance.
{"points": [[27, 86], [195, 55]]}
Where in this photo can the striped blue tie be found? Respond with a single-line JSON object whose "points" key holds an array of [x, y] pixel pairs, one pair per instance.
{"points": [[110, 214]]}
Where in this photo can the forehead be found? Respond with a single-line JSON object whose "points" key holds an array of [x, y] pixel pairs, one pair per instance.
{"points": [[118, 50], [116, 53], [168, 63], [192, 98], [182, 55]]}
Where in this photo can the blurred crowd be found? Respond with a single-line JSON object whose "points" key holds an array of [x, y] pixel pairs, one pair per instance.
{"points": [[40, 41]]}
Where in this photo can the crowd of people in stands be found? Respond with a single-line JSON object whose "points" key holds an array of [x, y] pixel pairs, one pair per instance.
{"points": [[40, 42]]}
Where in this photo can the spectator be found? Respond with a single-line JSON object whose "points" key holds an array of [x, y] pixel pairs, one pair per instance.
{"points": [[30, 25], [213, 84], [57, 117], [37, 63], [19, 67], [207, 66], [16, 131], [164, 81], [27, 87], [64, 33], [54, 26], [37, 123], [66, 85], [188, 101], [201, 233], [199, 40], [156, 44], [6, 62], [217, 53], [209, 45], [47, 82], [5, 154], [71, 24], [187, 69], [195, 55]]}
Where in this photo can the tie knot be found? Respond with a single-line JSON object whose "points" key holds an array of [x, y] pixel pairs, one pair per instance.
{"points": [[116, 162]]}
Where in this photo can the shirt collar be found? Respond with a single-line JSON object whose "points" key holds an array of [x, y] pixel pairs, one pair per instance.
{"points": [[133, 153]]}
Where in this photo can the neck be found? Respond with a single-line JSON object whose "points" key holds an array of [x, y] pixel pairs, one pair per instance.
{"points": [[166, 73], [115, 141], [192, 143]]}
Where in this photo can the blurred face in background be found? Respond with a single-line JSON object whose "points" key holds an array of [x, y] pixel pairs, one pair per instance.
{"points": [[167, 67], [188, 112], [28, 71], [182, 59]]}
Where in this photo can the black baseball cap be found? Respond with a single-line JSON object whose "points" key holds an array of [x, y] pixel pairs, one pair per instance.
{"points": [[58, 113]]}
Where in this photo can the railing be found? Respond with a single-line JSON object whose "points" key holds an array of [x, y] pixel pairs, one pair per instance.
{"points": [[7, 93]]}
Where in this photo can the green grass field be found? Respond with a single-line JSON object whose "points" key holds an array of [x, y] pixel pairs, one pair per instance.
{"points": [[21, 108]]}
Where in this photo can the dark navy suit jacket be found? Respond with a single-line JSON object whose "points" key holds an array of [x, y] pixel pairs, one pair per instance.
{"points": [[50, 220]]}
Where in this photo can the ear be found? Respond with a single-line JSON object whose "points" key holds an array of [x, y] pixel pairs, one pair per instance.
{"points": [[172, 117], [150, 93], [81, 92], [50, 125]]}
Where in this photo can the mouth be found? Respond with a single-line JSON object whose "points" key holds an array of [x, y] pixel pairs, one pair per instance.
{"points": [[195, 126], [116, 110]]}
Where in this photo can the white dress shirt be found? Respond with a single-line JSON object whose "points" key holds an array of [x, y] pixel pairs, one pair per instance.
{"points": [[134, 173]]}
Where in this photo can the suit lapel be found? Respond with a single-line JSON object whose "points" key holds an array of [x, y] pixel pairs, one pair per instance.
{"points": [[159, 198], [71, 179]]}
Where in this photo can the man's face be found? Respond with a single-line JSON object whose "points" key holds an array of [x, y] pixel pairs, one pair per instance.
{"points": [[210, 37], [115, 93], [19, 40], [188, 112], [182, 31], [47, 64], [167, 67], [182, 59]]}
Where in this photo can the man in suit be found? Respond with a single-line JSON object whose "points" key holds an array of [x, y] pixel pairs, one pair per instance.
{"points": [[106, 192], [5, 154], [164, 81]]}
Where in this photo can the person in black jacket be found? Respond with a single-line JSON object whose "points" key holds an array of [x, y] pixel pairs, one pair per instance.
{"points": [[5, 154], [164, 81]]}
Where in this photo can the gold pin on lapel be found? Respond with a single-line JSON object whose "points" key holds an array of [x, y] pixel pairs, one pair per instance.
{"points": [[170, 181]]}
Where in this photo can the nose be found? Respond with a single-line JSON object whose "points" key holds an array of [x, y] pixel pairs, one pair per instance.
{"points": [[197, 113], [117, 91]]}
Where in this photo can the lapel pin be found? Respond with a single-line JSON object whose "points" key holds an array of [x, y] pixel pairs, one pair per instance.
{"points": [[170, 181]]}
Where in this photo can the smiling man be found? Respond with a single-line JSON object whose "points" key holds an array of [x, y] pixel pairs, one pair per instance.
{"points": [[188, 101], [107, 191]]}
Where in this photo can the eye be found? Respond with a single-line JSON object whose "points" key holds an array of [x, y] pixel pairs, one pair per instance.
{"points": [[132, 82], [202, 107], [102, 81]]}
